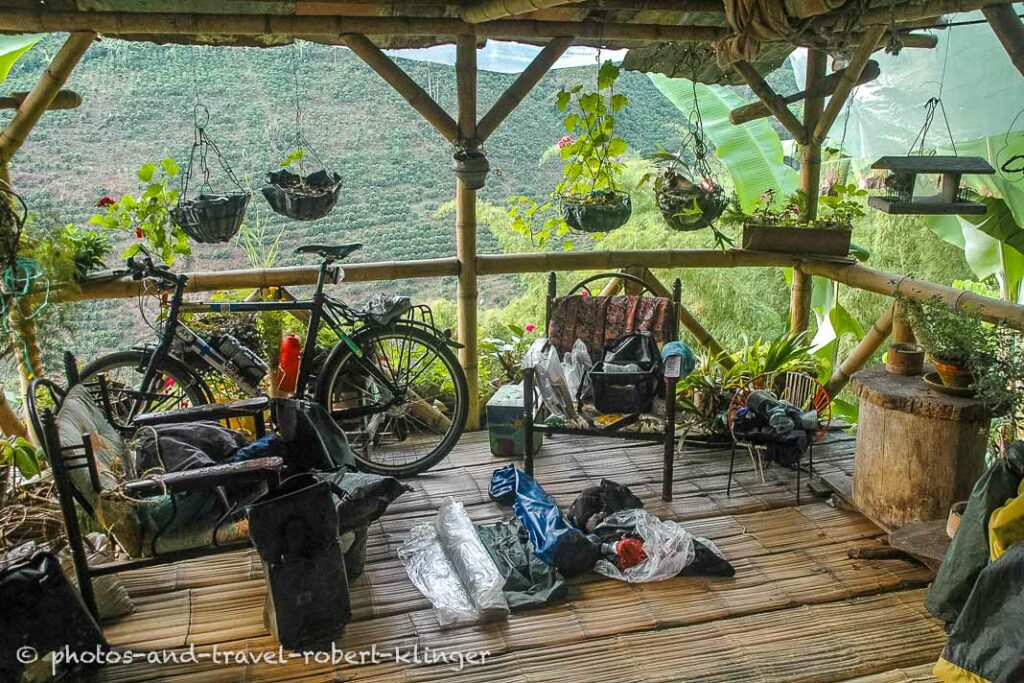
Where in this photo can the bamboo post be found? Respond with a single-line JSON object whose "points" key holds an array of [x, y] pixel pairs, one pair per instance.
{"points": [[810, 178], [1009, 30], [10, 423], [861, 353], [775, 104], [489, 10], [847, 82], [404, 85], [465, 227], [515, 93], [902, 333]]}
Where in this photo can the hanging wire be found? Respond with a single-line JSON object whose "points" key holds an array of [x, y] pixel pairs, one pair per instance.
{"points": [[1014, 165], [300, 140]]}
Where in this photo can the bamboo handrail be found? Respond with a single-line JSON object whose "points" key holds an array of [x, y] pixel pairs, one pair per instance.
{"points": [[489, 10], [515, 93], [503, 264]]}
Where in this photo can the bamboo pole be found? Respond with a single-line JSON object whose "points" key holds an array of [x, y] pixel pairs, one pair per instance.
{"points": [[871, 280], [64, 99], [810, 178], [861, 353], [43, 94], [902, 333], [267, 277], [758, 110], [502, 264], [1009, 30], [515, 93], [489, 10], [771, 99], [10, 423], [848, 82], [887, 15], [328, 28], [404, 85], [699, 332], [465, 228]]}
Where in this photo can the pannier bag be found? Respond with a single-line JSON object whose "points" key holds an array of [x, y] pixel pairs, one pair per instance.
{"points": [[295, 531], [629, 377]]}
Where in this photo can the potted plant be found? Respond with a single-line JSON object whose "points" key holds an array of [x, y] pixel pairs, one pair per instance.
{"points": [[685, 202], [299, 196], [470, 166], [147, 215], [589, 198], [781, 225], [958, 342]]}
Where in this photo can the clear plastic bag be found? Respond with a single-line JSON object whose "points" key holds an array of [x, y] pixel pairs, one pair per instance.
{"points": [[435, 576], [476, 569], [550, 379], [668, 546], [577, 363]]}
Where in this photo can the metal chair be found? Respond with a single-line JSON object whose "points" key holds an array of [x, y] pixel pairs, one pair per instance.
{"points": [[798, 388]]}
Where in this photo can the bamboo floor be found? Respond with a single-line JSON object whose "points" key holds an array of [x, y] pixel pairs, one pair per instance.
{"points": [[798, 608]]}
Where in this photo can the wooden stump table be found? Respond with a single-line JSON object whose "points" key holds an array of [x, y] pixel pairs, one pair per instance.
{"points": [[918, 450]]}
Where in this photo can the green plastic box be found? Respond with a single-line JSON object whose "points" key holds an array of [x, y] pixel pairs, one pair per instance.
{"points": [[505, 423]]}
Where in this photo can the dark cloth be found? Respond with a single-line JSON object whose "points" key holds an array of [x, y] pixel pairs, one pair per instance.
{"points": [[361, 498], [529, 581], [181, 446], [987, 638], [597, 502], [775, 424], [554, 541], [313, 438], [269, 446], [968, 553]]}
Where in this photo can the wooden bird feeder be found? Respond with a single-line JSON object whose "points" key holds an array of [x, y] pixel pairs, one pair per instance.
{"points": [[902, 178]]}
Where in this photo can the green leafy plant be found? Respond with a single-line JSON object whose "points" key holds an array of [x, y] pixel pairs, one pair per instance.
{"points": [[294, 157], [836, 209], [948, 335], [65, 252], [507, 353], [147, 215], [674, 186], [591, 152], [21, 454]]}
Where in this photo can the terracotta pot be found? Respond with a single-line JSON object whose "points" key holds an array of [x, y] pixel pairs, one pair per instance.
{"points": [[904, 359], [956, 511], [953, 374]]}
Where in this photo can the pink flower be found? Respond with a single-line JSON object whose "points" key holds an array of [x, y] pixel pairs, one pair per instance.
{"points": [[138, 233], [530, 328], [105, 202], [565, 142], [584, 292], [708, 185]]}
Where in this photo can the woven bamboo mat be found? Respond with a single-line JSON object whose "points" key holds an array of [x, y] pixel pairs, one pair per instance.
{"points": [[794, 578], [913, 674]]}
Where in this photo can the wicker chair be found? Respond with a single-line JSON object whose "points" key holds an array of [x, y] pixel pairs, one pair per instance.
{"points": [[798, 388]]}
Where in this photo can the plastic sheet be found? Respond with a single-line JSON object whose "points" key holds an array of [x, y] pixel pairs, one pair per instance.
{"points": [[577, 363], [669, 548], [435, 576], [550, 377], [471, 560]]}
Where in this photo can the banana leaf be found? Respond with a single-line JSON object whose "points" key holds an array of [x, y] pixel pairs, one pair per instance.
{"points": [[12, 48]]}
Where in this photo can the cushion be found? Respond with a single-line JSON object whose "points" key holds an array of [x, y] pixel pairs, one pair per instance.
{"points": [[598, 320]]}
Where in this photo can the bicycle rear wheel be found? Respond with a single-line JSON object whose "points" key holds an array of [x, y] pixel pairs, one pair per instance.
{"points": [[174, 387], [406, 430]]}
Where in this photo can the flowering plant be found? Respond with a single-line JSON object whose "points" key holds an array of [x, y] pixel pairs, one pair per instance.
{"points": [[508, 353]]}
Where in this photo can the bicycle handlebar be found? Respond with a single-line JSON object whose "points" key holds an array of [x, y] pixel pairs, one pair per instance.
{"points": [[148, 269]]}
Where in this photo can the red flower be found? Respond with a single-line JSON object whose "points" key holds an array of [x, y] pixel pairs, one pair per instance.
{"points": [[530, 328], [105, 202], [565, 142], [138, 233]]}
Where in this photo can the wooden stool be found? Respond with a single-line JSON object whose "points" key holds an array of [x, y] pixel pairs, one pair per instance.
{"points": [[918, 450]]}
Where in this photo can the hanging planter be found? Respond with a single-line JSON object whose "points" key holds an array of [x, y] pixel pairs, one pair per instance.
{"points": [[687, 206], [302, 198], [599, 211], [471, 167], [209, 217]]}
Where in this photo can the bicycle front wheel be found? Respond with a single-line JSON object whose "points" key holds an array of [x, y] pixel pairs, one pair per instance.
{"points": [[172, 388], [402, 404]]}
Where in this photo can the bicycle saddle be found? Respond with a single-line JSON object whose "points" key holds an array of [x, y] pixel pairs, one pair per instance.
{"points": [[331, 251]]}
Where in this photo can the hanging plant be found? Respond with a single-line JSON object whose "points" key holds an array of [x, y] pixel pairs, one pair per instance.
{"points": [[688, 201], [588, 199], [147, 215], [209, 217], [299, 196], [471, 167]]}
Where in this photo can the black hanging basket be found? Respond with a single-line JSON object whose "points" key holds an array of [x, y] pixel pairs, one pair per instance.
{"points": [[687, 206], [471, 168], [599, 211], [212, 218], [302, 198]]}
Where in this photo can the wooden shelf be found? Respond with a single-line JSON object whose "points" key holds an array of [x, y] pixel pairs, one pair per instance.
{"points": [[927, 208]]}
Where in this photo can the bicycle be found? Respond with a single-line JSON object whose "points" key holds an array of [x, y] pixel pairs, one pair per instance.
{"points": [[391, 381]]}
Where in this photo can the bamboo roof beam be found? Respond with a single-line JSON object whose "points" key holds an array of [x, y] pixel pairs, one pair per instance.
{"points": [[65, 99], [848, 81], [328, 28], [772, 100], [1009, 30], [519, 89], [886, 15], [489, 10], [404, 85], [43, 94]]}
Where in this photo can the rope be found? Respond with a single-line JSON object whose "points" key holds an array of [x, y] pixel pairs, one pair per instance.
{"points": [[16, 282]]}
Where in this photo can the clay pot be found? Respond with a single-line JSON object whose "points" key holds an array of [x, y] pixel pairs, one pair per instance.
{"points": [[905, 359], [953, 374]]}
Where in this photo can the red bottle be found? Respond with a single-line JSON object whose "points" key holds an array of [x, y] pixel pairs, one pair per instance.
{"points": [[291, 348]]}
